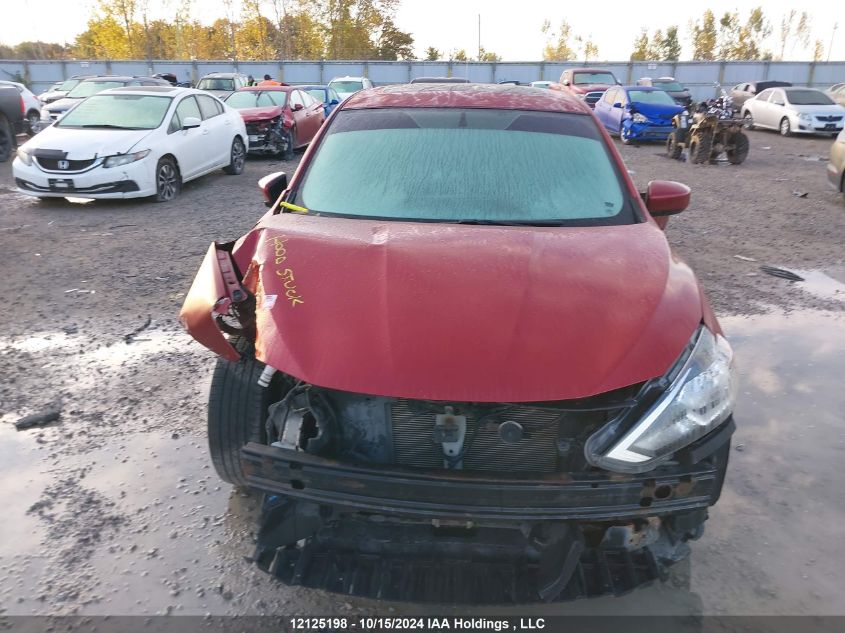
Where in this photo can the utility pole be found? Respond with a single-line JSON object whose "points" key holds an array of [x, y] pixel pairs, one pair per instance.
{"points": [[832, 35], [479, 37]]}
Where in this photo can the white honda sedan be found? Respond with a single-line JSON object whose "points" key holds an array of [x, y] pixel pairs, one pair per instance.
{"points": [[132, 142]]}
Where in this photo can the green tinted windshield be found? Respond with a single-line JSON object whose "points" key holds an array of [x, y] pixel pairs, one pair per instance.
{"points": [[68, 84], [488, 166], [650, 96], [214, 83], [594, 78], [256, 99], [319, 94], [126, 111], [808, 97], [347, 86], [88, 88], [672, 86]]}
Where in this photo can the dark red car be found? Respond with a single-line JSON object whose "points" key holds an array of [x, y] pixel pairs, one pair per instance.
{"points": [[460, 358], [278, 119], [588, 84]]}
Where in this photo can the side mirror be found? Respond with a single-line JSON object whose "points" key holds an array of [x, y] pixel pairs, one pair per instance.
{"points": [[334, 102], [617, 105], [565, 82], [191, 122], [272, 186], [298, 107], [666, 197]]}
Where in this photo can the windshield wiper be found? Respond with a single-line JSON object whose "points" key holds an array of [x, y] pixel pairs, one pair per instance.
{"points": [[111, 127], [485, 222]]}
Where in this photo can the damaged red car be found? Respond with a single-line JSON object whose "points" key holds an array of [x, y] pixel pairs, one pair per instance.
{"points": [[460, 359], [278, 119]]}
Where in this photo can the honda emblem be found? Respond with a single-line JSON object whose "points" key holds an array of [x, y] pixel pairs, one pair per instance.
{"points": [[63, 164]]}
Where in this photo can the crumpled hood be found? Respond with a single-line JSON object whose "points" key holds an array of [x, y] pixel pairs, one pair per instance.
{"points": [[656, 111], [260, 114], [466, 313], [82, 144]]}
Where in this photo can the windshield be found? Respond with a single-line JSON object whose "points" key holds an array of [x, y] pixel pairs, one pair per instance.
{"points": [[256, 99], [318, 93], [808, 97], [594, 78], [88, 88], [216, 84], [650, 96], [126, 112], [347, 86], [672, 86], [471, 165], [67, 85]]}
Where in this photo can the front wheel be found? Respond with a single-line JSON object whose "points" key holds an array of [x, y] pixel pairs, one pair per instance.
{"points": [[785, 129], [237, 411], [33, 122], [168, 180], [625, 135], [7, 139], [237, 157], [738, 151], [673, 147]]}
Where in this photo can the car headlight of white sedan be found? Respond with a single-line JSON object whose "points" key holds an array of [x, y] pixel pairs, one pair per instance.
{"points": [[124, 159], [699, 398], [806, 118], [24, 156]]}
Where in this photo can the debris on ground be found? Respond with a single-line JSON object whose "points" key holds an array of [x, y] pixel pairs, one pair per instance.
{"points": [[783, 273], [38, 419], [745, 259], [800, 194], [131, 336]]}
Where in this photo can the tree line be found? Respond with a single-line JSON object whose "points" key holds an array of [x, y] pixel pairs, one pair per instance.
{"points": [[728, 38]]}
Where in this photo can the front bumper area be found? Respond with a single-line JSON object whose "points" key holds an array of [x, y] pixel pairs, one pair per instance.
{"points": [[117, 187], [510, 498], [129, 181]]}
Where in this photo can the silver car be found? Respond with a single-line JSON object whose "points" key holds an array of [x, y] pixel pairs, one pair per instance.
{"points": [[794, 111]]}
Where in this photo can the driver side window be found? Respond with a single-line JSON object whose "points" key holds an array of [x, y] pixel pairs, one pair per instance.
{"points": [[187, 108]]}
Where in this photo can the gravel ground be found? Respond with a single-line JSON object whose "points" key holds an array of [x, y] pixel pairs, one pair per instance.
{"points": [[116, 510]]}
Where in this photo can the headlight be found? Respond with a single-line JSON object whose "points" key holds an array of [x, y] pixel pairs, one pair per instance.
{"points": [[700, 398], [124, 159], [26, 159], [805, 117], [639, 118]]}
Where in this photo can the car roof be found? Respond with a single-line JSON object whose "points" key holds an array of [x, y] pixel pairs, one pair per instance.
{"points": [[268, 88], [222, 75], [346, 77], [311, 87], [121, 78], [171, 91], [587, 69], [495, 96], [642, 88]]}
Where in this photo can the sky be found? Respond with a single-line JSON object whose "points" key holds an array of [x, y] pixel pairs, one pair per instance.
{"points": [[510, 29]]}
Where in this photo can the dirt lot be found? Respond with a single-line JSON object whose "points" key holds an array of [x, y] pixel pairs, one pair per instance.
{"points": [[116, 510]]}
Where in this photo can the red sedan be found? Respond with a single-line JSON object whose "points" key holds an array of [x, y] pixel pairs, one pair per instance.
{"points": [[278, 119], [459, 348]]}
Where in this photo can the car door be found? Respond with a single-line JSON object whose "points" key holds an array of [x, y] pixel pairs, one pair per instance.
{"points": [[759, 108], [301, 121], [316, 114], [776, 108], [618, 114], [219, 131], [187, 145], [603, 108]]}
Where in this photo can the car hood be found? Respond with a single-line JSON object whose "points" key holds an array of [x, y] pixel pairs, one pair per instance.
{"points": [[466, 313], [63, 104], [585, 88], [260, 114], [49, 97], [657, 111], [83, 144], [220, 94]]}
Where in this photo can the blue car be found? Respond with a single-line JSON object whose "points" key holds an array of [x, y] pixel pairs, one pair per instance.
{"points": [[324, 94], [637, 113]]}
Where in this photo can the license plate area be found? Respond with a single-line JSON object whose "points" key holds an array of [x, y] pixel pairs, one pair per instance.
{"points": [[60, 184]]}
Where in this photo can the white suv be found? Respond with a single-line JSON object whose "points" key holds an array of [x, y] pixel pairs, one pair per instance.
{"points": [[347, 86]]}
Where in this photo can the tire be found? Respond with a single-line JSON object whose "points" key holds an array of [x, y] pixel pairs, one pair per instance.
{"points": [[626, 140], [673, 148], [740, 144], [288, 153], [7, 140], [699, 148], [237, 411], [168, 180], [33, 119], [237, 157], [785, 129], [748, 121]]}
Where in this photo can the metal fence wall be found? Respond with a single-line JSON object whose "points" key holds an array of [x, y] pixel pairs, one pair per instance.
{"points": [[699, 77]]}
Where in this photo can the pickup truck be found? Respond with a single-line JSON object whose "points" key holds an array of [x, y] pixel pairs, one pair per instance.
{"points": [[587, 84], [11, 121]]}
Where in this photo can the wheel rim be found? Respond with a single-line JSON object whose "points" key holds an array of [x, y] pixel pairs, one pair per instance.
{"points": [[238, 155], [166, 182], [784, 127], [748, 121]]}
